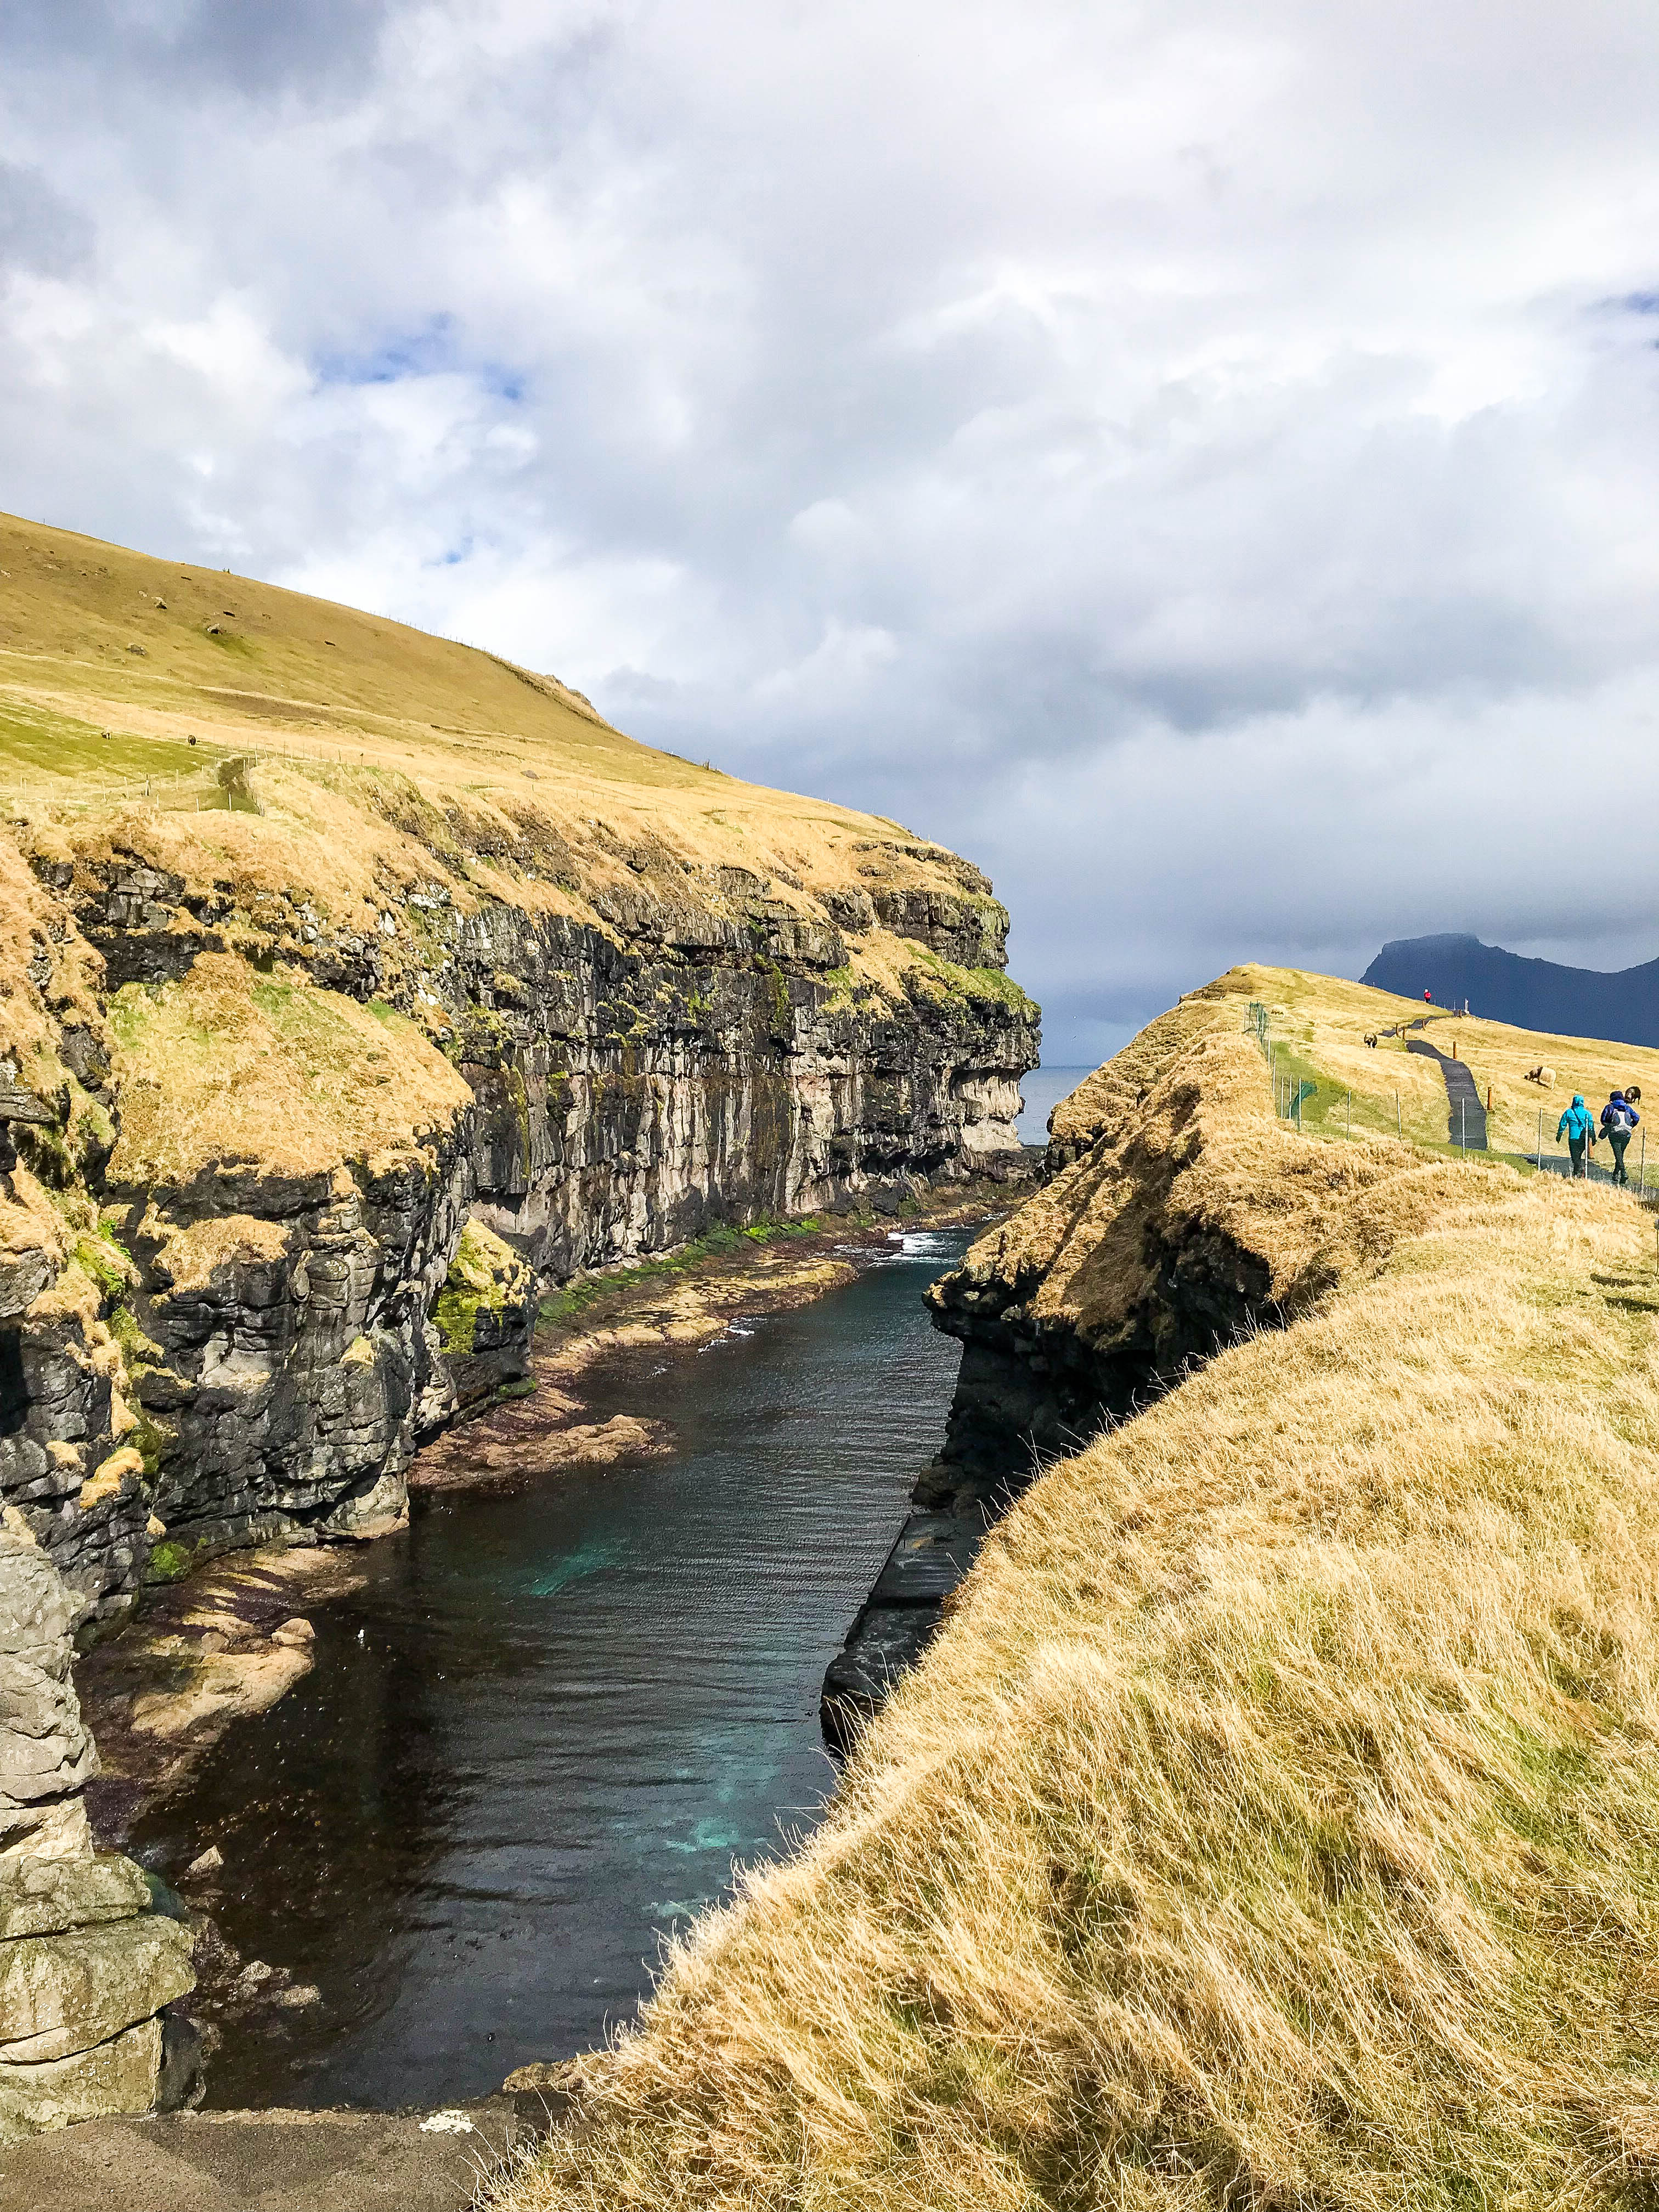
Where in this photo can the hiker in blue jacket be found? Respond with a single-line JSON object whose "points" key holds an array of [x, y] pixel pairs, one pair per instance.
{"points": [[1579, 1130], [1619, 1118]]}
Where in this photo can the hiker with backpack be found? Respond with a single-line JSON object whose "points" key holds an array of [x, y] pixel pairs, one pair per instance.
{"points": [[1579, 1130], [1618, 1118]]}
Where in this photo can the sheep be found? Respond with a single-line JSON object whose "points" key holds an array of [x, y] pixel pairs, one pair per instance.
{"points": [[1371, 1041], [1540, 1074]]}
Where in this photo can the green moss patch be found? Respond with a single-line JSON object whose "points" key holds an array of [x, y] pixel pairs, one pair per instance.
{"points": [[485, 1276], [981, 988]]}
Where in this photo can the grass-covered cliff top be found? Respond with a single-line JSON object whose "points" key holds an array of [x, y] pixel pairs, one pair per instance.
{"points": [[1276, 1821], [376, 749], [1320, 1024], [225, 1070]]}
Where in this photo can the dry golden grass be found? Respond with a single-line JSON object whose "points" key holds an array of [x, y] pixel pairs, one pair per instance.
{"points": [[1276, 1821], [228, 1069], [1183, 1156], [1323, 1023], [374, 747]]}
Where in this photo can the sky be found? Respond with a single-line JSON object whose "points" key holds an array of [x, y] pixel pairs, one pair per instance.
{"points": [[1199, 462]]}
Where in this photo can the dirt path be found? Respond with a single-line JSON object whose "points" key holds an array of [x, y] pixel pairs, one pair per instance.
{"points": [[276, 2162]]}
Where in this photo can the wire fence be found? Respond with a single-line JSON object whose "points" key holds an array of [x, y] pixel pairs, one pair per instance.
{"points": [[1292, 1092], [200, 787], [60, 796]]}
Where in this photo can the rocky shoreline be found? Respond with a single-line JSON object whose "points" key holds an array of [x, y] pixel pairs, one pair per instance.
{"points": [[235, 1637]]}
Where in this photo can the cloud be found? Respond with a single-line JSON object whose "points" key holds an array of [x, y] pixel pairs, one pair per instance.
{"points": [[1202, 465], [39, 230]]}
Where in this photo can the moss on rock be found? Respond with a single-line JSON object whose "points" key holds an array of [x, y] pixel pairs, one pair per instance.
{"points": [[486, 1275]]}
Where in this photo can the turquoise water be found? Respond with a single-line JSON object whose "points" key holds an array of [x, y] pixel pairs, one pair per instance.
{"points": [[537, 1739]]}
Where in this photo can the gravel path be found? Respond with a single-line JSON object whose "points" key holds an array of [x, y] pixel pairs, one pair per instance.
{"points": [[274, 2162]]}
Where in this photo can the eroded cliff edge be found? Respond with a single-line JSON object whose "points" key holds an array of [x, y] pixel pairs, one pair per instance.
{"points": [[1175, 1220]]}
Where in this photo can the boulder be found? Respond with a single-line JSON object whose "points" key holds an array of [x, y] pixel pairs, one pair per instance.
{"points": [[48, 1896], [61, 1994], [118, 2075]]}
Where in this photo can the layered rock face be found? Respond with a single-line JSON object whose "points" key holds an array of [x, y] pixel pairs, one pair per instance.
{"points": [[86, 1965], [247, 1300], [1177, 1215]]}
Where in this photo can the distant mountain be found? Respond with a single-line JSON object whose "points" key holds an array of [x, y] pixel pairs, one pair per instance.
{"points": [[1532, 994]]}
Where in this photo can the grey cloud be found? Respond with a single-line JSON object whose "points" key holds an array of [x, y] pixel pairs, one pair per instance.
{"points": [[39, 229], [259, 50]]}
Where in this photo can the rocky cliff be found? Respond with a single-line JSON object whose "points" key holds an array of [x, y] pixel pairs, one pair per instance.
{"points": [[333, 1028], [1177, 1216], [354, 985]]}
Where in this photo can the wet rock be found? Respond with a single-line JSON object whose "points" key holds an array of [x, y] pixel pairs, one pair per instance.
{"points": [[181, 2076], [884, 1642]]}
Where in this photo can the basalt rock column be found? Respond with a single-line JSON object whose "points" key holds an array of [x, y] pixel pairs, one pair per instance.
{"points": [[86, 1965]]}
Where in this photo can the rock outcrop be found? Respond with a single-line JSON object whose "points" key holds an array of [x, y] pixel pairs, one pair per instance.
{"points": [[86, 1965]]}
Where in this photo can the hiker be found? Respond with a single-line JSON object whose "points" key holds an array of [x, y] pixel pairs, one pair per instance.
{"points": [[1577, 1127], [1619, 1118]]}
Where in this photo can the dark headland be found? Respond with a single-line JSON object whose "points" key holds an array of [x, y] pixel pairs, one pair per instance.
{"points": [[1532, 994]]}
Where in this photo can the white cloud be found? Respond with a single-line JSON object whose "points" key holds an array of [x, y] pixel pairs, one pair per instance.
{"points": [[1202, 464]]}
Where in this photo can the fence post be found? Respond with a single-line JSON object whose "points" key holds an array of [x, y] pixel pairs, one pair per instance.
{"points": [[1463, 1125], [1540, 1140]]}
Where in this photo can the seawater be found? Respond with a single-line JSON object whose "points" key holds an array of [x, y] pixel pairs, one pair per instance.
{"points": [[555, 1717], [1042, 1089]]}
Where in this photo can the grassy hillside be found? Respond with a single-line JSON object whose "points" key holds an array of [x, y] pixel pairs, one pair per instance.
{"points": [[96, 637], [1320, 1024], [1276, 1821], [370, 747]]}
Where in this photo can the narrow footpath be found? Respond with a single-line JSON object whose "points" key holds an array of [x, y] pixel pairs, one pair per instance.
{"points": [[1466, 1120]]}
